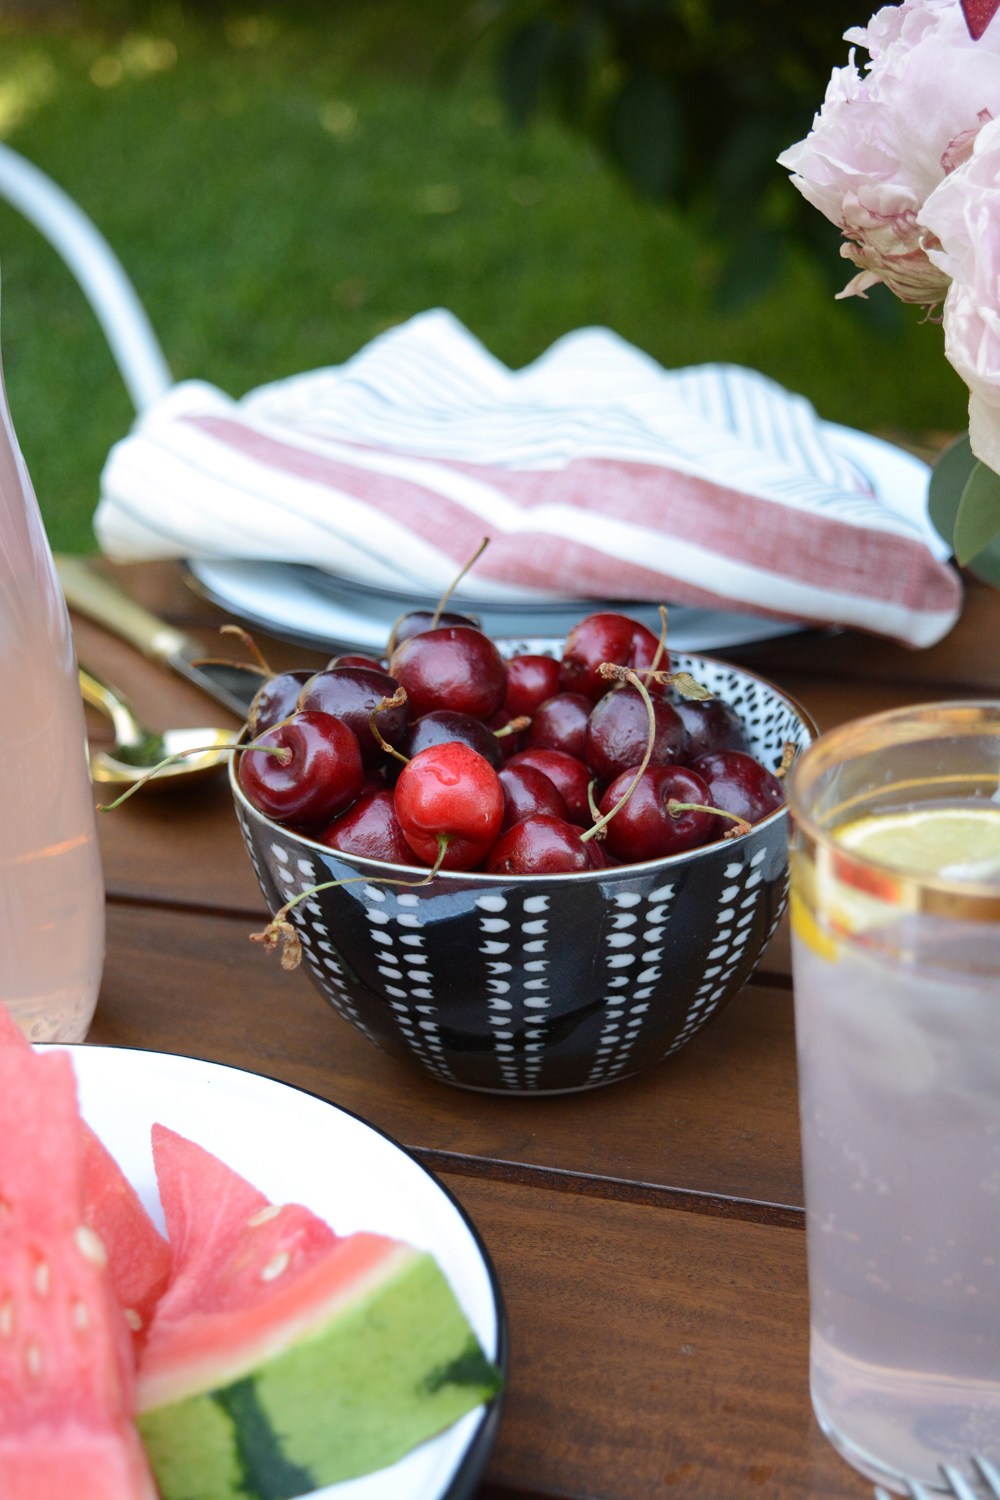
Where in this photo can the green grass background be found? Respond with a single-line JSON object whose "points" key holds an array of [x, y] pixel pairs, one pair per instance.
{"points": [[296, 181]]}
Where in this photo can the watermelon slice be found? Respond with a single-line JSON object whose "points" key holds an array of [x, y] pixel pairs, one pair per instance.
{"points": [[139, 1258], [282, 1358], [65, 1361]]}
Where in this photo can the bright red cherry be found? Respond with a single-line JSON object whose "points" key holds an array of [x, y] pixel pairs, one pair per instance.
{"points": [[370, 828], [274, 700], [527, 791], [539, 845], [712, 725], [450, 790], [618, 733], [457, 668], [570, 777], [605, 637], [644, 828], [352, 694], [322, 778], [530, 681], [739, 784], [560, 724]]}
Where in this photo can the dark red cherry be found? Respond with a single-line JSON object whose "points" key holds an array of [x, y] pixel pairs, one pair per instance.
{"points": [[712, 725], [509, 744], [274, 700], [449, 789], [599, 856], [351, 694], [605, 637], [644, 829], [560, 724], [530, 681], [370, 828], [356, 661], [527, 791], [322, 778], [418, 622], [457, 667], [570, 777], [739, 784], [443, 725], [618, 733], [539, 845]]}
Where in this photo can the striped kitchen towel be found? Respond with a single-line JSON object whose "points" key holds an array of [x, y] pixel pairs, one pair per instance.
{"points": [[596, 473]]}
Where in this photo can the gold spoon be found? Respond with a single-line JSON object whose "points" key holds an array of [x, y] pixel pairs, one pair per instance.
{"points": [[137, 749]]}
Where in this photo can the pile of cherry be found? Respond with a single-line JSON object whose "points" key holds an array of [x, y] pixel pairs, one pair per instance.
{"points": [[501, 766]]}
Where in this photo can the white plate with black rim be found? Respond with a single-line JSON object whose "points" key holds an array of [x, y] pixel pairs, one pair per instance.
{"points": [[297, 1148]]}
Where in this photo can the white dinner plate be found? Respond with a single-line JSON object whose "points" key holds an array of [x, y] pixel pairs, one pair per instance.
{"points": [[312, 608], [299, 1149]]}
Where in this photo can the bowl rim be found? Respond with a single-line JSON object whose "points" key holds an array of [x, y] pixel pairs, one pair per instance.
{"points": [[612, 873]]}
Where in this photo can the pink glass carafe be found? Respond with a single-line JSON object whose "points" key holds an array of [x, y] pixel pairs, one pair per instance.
{"points": [[51, 887]]}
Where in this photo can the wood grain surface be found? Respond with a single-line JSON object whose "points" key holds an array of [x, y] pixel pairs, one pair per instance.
{"points": [[648, 1236]]}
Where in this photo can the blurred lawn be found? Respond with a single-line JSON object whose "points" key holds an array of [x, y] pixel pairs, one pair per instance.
{"points": [[286, 189]]}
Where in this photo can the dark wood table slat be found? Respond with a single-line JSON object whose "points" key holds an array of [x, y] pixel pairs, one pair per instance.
{"points": [[654, 1353]]}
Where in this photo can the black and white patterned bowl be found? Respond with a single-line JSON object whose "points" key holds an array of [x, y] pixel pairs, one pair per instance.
{"points": [[543, 984]]}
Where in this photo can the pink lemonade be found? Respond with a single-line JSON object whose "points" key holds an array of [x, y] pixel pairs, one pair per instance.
{"points": [[899, 1078], [895, 864], [51, 888]]}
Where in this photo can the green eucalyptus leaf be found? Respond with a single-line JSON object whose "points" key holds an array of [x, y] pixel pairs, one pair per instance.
{"points": [[948, 480], [987, 565], [978, 521]]}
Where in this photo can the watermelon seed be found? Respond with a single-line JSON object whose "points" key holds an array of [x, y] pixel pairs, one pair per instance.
{"points": [[33, 1359], [89, 1245], [275, 1266], [6, 1317], [42, 1278], [133, 1319], [263, 1214], [81, 1317]]}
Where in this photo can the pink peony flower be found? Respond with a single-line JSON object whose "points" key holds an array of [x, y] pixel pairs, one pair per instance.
{"points": [[885, 139], [963, 216]]}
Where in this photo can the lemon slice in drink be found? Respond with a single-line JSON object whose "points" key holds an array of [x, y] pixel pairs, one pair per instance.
{"points": [[960, 842]]}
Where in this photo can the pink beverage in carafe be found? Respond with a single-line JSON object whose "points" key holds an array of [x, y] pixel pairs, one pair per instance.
{"points": [[51, 888]]}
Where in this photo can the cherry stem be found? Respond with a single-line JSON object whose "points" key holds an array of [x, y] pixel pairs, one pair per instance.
{"points": [[663, 640], [283, 753], [250, 644], [595, 811], [396, 701], [279, 929], [227, 661], [615, 673], [788, 753], [675, 808], [454, 584], [514, 727]]}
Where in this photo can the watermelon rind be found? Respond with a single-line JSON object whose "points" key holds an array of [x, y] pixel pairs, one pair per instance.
{"points": [[396, 1366]]}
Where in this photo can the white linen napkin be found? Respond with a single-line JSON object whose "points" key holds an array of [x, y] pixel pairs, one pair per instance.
{"points": [[596, 473]]}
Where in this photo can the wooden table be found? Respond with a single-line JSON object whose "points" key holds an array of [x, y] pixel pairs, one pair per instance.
{"points": [[648, 1236]]}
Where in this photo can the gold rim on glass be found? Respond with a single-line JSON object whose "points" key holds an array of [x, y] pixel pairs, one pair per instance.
{"points": [[813, 840]]}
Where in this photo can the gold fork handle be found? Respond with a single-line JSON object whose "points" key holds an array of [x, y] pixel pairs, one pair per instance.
{"points": [[101, 600]]}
